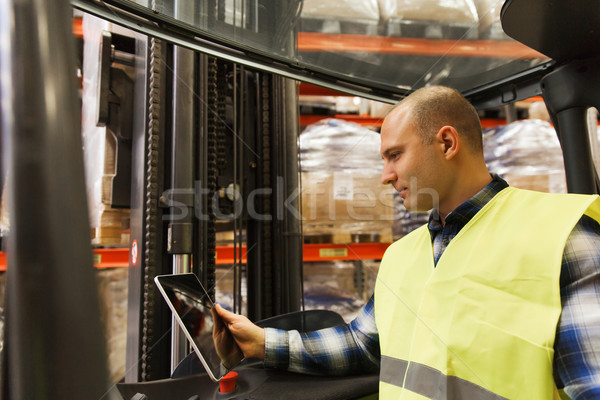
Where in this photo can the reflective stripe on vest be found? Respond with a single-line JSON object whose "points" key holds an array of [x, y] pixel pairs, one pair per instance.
{"points": [[487, 314], [430, 382]]}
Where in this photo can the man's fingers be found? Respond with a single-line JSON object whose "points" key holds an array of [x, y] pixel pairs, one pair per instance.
{"points": [[227, 316], [217, 320]]}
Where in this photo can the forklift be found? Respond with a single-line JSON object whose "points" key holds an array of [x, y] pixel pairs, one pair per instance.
{"points": [[209, 115]]}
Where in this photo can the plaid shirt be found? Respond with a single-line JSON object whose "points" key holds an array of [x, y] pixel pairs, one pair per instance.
{"points": [[354, 348]]}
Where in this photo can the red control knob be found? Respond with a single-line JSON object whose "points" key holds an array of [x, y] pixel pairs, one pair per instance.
{"points": [[227, 383]]}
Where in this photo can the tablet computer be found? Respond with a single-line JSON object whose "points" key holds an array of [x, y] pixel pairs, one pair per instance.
{"points": [[192, 309]]}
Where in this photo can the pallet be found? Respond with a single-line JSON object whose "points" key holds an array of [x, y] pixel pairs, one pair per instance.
{"points": [[340, 26], [396, 27]]}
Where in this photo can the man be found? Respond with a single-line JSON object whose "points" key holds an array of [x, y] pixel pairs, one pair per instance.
{"points": [[468, 306]]}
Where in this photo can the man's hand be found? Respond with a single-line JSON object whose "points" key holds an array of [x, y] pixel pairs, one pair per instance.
{"points": [[226, 347], [249, 337]]}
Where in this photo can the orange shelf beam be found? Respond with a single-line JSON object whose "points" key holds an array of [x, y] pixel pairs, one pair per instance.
{"points": [[77, 27], [224, 255], [103, 258], [320, 252], [492, 122], [534, 99], [350, 251], [364, 120], [306, 120], [317, 42], [111, 258], [307, 89], [119, 257]]}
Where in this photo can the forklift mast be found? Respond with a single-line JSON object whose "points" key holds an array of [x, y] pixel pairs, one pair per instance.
{"points": [[207, 133]]}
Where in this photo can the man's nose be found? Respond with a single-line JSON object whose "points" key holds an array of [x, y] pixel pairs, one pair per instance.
{"points": [[388, 175]]}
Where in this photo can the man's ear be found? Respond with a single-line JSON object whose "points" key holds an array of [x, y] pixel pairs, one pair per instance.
{"points": [[449, 141]]}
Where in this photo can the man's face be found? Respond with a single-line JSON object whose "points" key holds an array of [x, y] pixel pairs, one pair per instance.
{"points": [[413, 168]]}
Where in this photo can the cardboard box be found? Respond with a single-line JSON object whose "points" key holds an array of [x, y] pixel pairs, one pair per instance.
{"points": [[111, 228], [549, 183], [346, 205]]}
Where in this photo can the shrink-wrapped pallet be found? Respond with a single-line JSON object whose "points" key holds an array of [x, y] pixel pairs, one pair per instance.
{"points": [[406, 221], [333, 286], [100, 146], [340, 16], [341, 9], [342, 195], [490, 26], [527, 154], [447, 19], [433, 10]]}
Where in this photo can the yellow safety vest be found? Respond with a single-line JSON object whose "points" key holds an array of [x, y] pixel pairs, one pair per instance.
{"points": [[481, 324]]}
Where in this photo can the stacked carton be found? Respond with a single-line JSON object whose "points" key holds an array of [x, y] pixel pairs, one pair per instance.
{"points": [[449, 19], [100, 147], [490, 26], [333, 286], [340, 16], [344, 9], [527, 154], [343, 199]]}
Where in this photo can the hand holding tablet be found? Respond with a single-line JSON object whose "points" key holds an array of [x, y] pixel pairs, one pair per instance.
{"points": [[226, 347], [194, 312], [249, 337]]}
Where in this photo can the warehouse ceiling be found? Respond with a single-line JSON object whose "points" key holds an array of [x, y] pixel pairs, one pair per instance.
{"points": [[380, 49]]}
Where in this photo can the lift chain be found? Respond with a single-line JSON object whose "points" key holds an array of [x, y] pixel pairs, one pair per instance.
{"points": [[221, 128], [151, 207], [265, 151], [212, 173]]}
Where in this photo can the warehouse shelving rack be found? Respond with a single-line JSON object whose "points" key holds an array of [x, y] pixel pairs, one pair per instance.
{"points": [[119, 257]]}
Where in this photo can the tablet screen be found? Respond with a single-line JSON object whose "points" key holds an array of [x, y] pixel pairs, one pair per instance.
{"points": [[191, 306]]}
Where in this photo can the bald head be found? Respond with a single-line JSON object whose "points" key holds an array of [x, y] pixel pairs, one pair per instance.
{"points": [[432, 152], [433, 107]]}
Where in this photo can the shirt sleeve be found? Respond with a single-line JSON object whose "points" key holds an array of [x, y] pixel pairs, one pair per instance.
{"points": [[577, 345], [340, 350]]}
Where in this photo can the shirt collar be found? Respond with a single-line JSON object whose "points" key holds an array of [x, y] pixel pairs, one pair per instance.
{"points": [[467, 210]]}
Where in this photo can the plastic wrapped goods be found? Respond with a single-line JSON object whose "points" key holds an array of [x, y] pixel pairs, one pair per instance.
{"points": [[527, 154], [340, 16], [406, 221], [432, 10], [224, 287], [490, 26], [342, 195], [100, 145], [341, 9], [431, 19], [339, 145], [333, 286]]}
